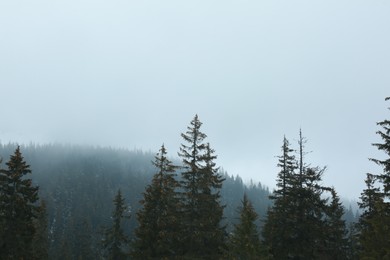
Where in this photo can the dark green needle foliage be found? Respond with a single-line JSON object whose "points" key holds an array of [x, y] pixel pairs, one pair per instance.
{"points": [[159, 230], [204, 237], [335, 231], [281, 217], [18, 209], [115, 241], [298, 224], [244, 242], [374, 223]]}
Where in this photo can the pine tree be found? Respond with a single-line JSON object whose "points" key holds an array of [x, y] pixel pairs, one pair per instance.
{"points": [[385, 147], [295, 224], [202, 211], [18, 209], [115, 240], [335, 246], [281, 217], [210, 206], [374, 223], [287, 164], [310, 209], [244, 242], [159, 228]]}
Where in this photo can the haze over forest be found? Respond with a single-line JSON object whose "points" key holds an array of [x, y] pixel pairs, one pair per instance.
{"points": [[132, 74]]}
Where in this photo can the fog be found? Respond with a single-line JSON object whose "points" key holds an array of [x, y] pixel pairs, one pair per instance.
{"points": [[132, 74]]}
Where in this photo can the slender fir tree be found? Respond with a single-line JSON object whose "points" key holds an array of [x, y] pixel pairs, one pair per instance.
{"points": [[244, 242], [157, 236], [287, 165], [202, 211], [374, 223], [335, 232], [282, 217], [384, 178], [115, 241], [18, 209], [295, 227]]}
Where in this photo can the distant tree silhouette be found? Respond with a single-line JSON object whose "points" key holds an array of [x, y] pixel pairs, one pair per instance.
{"points": [[115, 241]]}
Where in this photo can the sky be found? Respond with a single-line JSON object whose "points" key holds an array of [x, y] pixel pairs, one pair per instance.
{"points": [[132, 74]]}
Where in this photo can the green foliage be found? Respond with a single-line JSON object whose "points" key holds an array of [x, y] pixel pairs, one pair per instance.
{"points": [[204, 237], [79, 182], [287, 164], [115, 241], [18, 209], [244, 242], [335, 231], [300, 224], [374, 223], [159, 228]]}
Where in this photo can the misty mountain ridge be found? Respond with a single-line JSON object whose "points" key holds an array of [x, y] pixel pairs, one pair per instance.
{"points": [[136, 163], [78, 184]]}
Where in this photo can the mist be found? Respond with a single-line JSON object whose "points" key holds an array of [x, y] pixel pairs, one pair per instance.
{"points": [[133, 74]]}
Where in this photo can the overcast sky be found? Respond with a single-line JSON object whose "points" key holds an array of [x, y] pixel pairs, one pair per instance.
{"points": [[133, 74]]}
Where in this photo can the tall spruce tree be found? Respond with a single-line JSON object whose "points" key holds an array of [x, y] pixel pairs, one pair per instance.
{"points": [[244, 242], [374, 223], [202, 210], [281, 217], [384, 177], [115, 241], [157, 236], [18, 209], [295, 224], [335, 231], [287, 164]]}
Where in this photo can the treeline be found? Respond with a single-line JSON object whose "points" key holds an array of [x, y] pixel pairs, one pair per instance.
{"points": [[78, 185], [185, 209]]}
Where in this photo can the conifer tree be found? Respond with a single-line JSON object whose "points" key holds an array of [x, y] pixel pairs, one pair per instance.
{"points": [[202, 212], [335, 246], [295, 224], [115, 241], [18, 209], [159, 230], [210, 204], [281, 217], [244, 242], [384, 178], [287, 164], [374, 223]]}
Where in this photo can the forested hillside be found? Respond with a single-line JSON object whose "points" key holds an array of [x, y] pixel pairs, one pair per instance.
{"points": [[103, 203], [79, 184]]}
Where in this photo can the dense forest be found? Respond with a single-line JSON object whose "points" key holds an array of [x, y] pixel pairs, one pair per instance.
{"points": [[77, 202], [78, 185]]}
